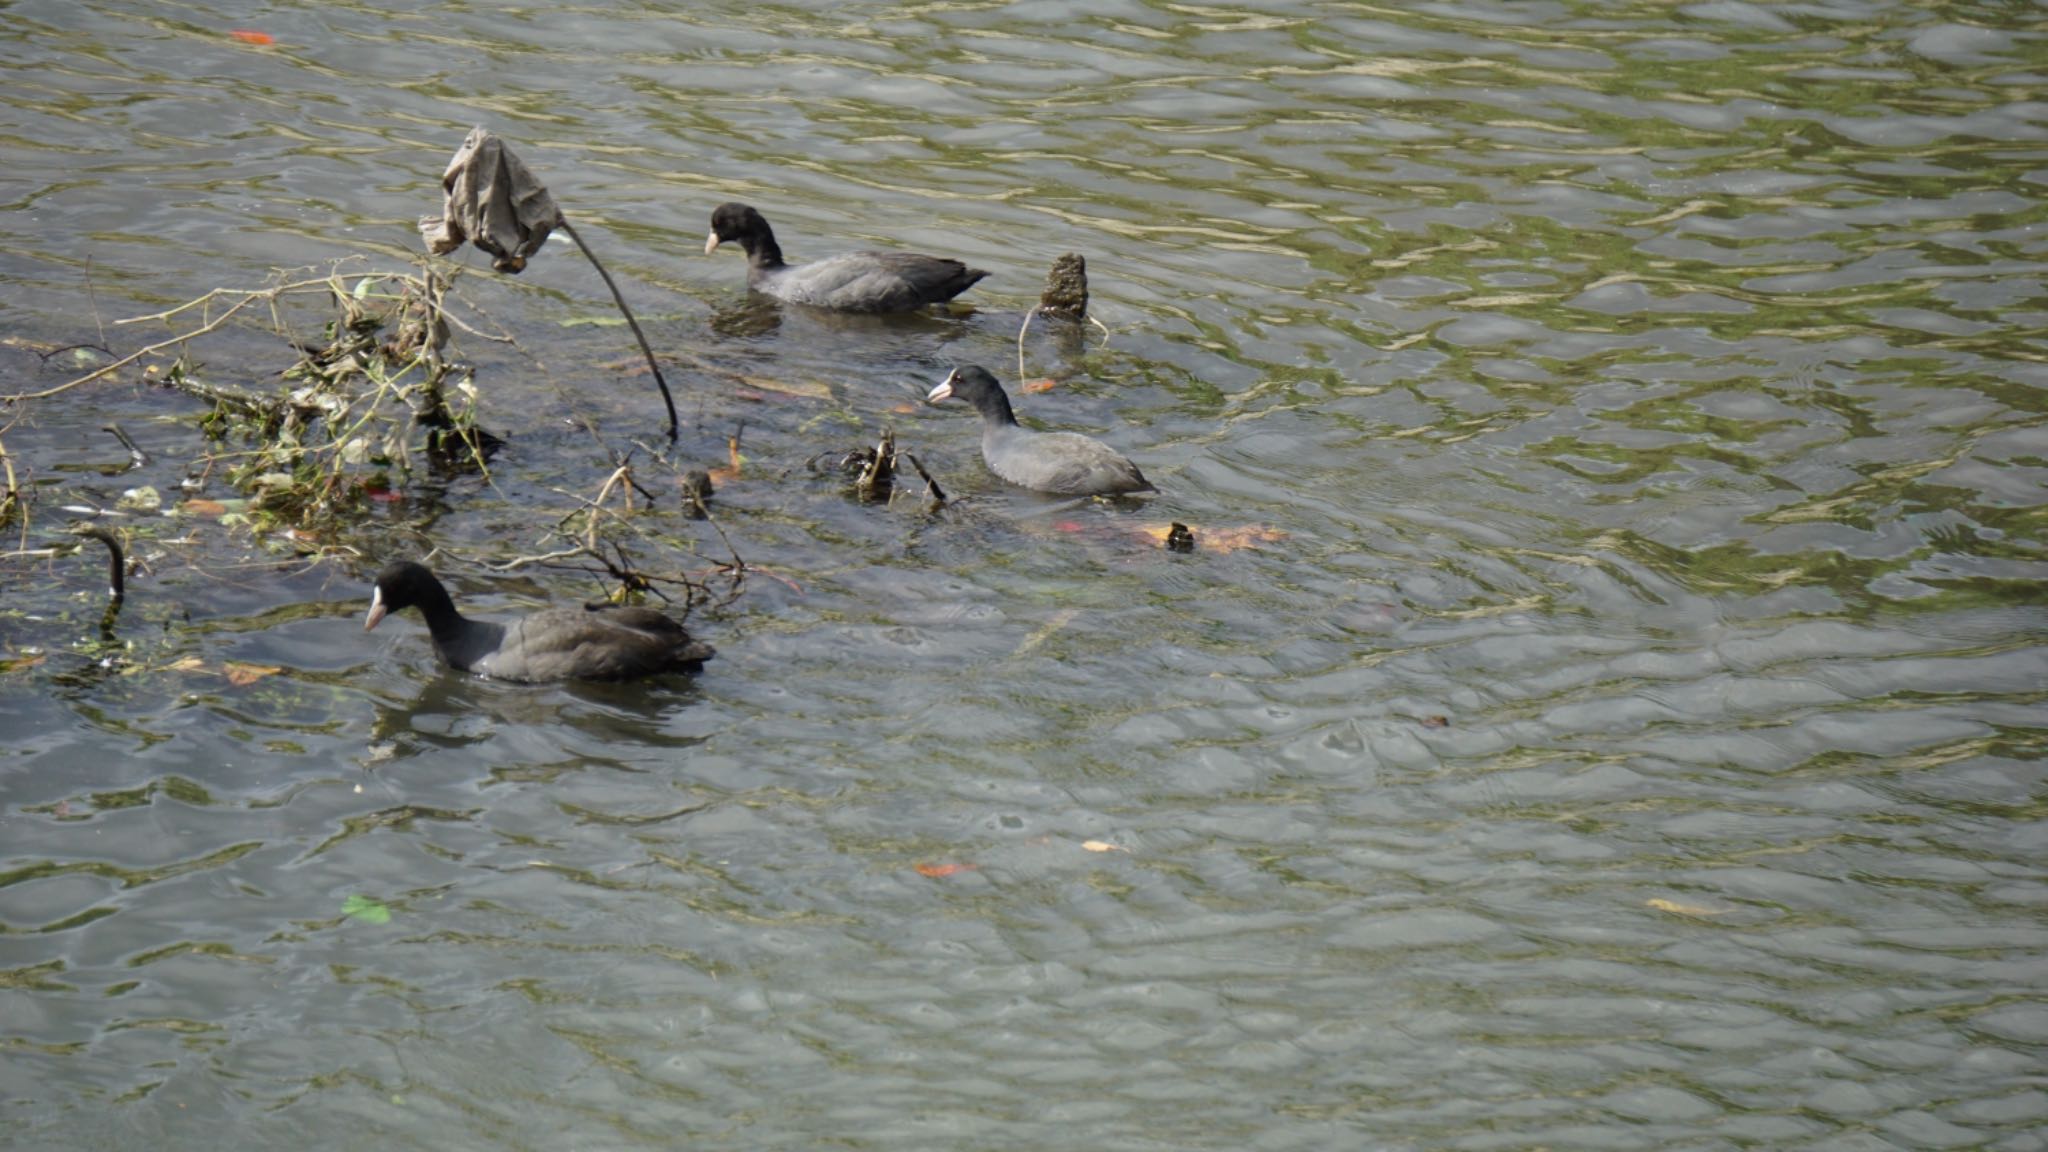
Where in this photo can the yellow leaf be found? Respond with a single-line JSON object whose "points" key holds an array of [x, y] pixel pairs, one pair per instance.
{"points": [[1677, 909], [243, 675], [188, 664]]}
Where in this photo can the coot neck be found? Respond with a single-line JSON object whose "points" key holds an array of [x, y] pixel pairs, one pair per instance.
{"points": [[443, 621], [994, 407], [761, 248]]}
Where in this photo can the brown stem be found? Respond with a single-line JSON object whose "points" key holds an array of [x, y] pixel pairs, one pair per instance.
{"points": [[673, 423]]}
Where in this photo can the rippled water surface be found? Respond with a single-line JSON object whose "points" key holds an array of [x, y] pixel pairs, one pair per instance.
{"points": [[1621, 730]]}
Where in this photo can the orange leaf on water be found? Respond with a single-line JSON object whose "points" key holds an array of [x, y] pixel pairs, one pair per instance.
{"points": [[1249, 536], [212, 509], [1102, 846], [1221, 540], [248, 37], [936, 871], [1042, 384], [243, 675]]}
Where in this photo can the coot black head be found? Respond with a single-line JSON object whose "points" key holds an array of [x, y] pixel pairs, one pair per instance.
{"points": [[977, 386], [403, 584], [739, 223]]}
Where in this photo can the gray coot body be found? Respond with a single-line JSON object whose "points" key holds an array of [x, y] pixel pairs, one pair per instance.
{"points": [[1062, 463], [581, 643], [855, 282]]}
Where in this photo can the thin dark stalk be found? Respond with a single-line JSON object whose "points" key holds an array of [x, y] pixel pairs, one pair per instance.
{"points": [[117, 575], [137, 456], [673, 423], [931, 486]]}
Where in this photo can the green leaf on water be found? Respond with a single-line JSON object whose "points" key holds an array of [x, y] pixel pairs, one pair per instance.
{"points": [[365, 909]]}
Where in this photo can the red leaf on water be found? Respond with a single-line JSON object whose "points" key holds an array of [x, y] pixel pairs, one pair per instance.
{"points": [[1066, 525], [938, 871], [1042, 384], [248, 37]]}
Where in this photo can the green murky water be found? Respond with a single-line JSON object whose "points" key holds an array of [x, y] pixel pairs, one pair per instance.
{"points": [[1622, 728]]}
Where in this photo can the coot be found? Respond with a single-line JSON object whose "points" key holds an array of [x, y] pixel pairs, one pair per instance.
{"points": [[855, 282], [584, 643], [1062, 463]]}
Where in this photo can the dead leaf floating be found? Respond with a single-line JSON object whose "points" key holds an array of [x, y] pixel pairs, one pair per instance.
{"points": [[940, 871], [491, 200], [1102, 846]]}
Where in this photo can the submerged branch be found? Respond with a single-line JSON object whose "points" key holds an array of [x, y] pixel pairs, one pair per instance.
{"points": [[152, 349]]}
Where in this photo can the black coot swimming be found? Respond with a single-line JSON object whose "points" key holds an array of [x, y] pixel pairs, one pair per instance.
{"points": [[1062, 463], [581, 643], [855, 282]]}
